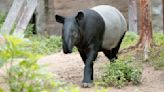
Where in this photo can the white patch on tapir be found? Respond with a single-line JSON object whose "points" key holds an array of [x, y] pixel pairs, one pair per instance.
{"points": [[115, 25]]}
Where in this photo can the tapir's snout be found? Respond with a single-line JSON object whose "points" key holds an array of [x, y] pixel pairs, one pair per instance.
{"points": [[67, 51], [67, 46]]}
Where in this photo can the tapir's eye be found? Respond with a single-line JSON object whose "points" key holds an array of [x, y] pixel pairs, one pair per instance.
{"points": [[75, 35]]}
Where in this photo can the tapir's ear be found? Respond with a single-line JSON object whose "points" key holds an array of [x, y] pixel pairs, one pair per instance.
{"points": [[59, 18], [79, 16]]}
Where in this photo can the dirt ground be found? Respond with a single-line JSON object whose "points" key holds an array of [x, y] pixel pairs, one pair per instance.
{"points": [[69, 68]]}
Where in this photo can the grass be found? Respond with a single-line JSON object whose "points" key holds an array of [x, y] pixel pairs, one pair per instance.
{"points": [[52, 44], [158, 38], [157, 58], [2, 18], [130, 39], [156, 54], [46, 45]]}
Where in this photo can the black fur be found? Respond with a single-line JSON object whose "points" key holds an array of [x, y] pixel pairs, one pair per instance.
{"points": [[92, 29]]}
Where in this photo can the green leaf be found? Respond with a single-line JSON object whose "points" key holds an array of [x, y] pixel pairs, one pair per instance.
{"points": [[1, 90]]}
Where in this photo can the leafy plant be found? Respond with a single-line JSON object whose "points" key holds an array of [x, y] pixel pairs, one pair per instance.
{"points": [[158, 38], [1, 90], [24, 74], [2, 19], [157, 57], [29, 31], [129, 40], [46, 45], [120, 73], [101, 90]]}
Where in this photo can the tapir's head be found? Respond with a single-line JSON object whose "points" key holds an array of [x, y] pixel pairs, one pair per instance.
{"points": [[70, 30]]}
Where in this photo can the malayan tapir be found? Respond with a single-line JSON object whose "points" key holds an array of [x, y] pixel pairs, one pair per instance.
{"points": [[100, 28]]}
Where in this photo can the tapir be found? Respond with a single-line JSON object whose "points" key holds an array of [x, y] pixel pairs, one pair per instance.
{"points": [[100, 28]]}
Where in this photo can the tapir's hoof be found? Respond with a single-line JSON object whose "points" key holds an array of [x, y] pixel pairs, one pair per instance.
{"points": [[87, 85]]}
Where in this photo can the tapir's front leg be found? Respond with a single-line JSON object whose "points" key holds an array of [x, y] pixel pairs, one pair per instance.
{"points": [[88, 70]]}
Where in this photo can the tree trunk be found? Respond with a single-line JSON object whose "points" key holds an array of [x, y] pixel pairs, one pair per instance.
{"points": [[145, 40], [50, 19], [40, 17], [25, 17], [163, 14], [132, 16], [12, 17], [45, 21]]}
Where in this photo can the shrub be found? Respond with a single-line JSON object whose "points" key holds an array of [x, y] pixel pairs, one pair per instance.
{"points": [[119, 73], [29, 31], [129, 40], [46, 45], [101, 90], [157, 52], [157, 57], [158, 38], [24, 74], [2, 18]]}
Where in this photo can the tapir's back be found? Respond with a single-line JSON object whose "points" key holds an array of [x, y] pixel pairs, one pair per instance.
{"points": [[115, 25]]}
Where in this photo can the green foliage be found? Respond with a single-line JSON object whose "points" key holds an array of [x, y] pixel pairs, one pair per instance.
{"points": [[26, 77], [29, 31], [2, 18], [1, 90], [14, 49], [157, 53], [52, 44], [157, 57], [46, 45], [129, 40], [101, 89], [24, 74], [119, 73], [71, 88], [158, 38]]}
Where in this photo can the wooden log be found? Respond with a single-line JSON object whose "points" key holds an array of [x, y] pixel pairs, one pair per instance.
{"points": [[25, 18], [12, 16]]}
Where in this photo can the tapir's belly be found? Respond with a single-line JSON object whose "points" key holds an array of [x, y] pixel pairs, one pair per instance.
{"points": [[115, 25]]}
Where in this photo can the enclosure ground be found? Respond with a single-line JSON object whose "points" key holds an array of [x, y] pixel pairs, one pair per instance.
{"points": [[69, 68]]}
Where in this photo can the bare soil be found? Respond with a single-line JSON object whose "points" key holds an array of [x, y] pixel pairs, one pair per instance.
{"points": [[69, 68]]}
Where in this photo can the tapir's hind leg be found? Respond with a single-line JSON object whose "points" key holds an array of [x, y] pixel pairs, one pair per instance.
{"points": [[83, 55], [116, 49], [112, 54]]}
